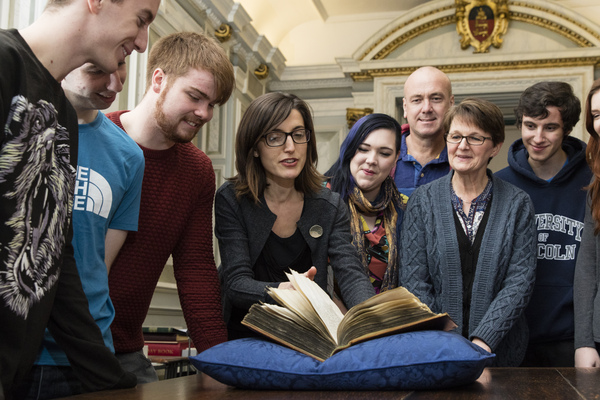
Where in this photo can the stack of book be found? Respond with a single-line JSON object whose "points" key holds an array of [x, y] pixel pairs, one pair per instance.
{"points": [[166, 341]]}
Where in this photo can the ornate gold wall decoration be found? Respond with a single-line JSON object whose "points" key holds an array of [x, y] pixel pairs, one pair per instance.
{"points": [[262, 71], [502, 16], [413, 33], [563, 30], [354, 114], [224, 33], [381, 54], [481, 23], [484, 66], [551, 26]]}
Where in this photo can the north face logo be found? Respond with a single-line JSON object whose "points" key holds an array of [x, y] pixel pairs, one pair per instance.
{"points": [[92, 192]]}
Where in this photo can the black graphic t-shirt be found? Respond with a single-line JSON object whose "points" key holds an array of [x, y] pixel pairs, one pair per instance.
{"points": [[39, 283]]}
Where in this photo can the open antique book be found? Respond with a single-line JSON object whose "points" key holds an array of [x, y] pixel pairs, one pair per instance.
{"points": [[310, 322]]}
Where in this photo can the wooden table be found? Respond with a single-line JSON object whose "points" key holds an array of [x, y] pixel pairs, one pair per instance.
{"points": [[494, 383]]}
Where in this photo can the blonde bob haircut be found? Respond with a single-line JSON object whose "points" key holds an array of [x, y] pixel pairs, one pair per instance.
{"points": [[263, 115]]}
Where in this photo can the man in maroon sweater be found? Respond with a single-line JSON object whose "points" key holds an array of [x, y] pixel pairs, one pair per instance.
{"points": [[188, 74]]}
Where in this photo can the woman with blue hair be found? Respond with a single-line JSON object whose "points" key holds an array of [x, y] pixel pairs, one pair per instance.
{"points": [[361, 176]]}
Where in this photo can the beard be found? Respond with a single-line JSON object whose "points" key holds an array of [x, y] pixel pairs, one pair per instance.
{"points": [[169, 126]]}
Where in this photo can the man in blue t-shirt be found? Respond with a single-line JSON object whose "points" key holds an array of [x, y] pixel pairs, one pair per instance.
{"points": [[423, 155], [106, 204], [551, 167]]}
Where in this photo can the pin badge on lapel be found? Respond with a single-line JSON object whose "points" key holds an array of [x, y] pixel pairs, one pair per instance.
{"points": [[316, 231]]}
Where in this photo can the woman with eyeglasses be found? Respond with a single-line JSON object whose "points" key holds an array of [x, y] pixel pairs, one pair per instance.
{"points": [[469, 241], [361, 176], [275, 214]]}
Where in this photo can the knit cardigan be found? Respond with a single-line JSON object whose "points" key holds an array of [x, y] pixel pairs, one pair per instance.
{"points": [[585, 287], [505, 272]]}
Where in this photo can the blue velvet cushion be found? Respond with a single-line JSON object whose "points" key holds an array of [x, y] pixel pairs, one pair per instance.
{"points": [[406, 361]]}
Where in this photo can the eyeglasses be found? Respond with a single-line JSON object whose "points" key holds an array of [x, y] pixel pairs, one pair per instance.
{"points": [[278, 138], [455, 138]]}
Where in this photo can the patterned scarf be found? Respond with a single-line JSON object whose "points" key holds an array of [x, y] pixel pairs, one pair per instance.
{"points": [[389, 198]]}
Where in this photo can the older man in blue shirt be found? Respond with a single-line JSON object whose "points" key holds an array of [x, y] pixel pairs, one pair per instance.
{"points": [[423, 156]]}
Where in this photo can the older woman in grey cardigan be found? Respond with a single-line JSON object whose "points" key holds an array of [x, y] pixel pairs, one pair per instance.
{"points": [[468, 239]]}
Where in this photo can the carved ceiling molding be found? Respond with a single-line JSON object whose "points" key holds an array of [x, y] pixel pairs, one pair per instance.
{"points": [[354, 114], [229, 22], [224, 32], [484, 66], [431, 19], [578, 39], [262, 71], [562, 16], [412, 33]]}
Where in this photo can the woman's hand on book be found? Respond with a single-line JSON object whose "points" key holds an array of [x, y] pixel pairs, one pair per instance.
{"points": [[310, 274]]}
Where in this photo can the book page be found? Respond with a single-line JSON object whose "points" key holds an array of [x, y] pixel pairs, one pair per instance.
{"points": [[296, 302], [326, 309], [395, 310], [286, 327]]}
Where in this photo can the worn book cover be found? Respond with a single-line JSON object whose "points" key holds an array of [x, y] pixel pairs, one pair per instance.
{"points": [[308, 321]]}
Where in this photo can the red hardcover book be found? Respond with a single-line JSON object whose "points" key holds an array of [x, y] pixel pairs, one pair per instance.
{"points": [[166, 348], [165, 337]]}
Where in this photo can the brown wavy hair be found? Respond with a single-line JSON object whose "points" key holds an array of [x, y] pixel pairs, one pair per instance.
{"points": [[263, 115], [592, 154]]}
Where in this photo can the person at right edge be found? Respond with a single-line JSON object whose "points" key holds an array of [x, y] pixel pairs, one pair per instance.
{"points": [[587, 270], [550, 166]]}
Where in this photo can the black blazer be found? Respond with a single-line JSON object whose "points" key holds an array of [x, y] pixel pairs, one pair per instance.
{"points": [[242, 228]]}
